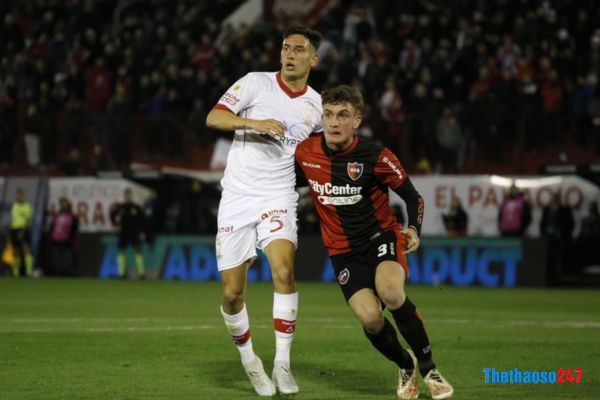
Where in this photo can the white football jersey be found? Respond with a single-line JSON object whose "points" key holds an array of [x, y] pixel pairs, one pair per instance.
{"points": [[258, 165]]}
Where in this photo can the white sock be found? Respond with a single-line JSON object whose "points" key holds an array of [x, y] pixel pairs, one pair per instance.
{"points": [[285, 309], [238, 326]]}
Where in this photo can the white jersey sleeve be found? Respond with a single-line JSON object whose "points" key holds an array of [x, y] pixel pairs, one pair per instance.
{"points": [[240, 95]]}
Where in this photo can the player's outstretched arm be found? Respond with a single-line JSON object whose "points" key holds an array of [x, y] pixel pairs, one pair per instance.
{"points": [[227, 121]]}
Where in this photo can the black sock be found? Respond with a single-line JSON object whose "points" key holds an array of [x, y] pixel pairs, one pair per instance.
{"points": [[412, 329], [386, 342]]}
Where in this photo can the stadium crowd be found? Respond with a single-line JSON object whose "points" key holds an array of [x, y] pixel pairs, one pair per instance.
{"points": [[88, 85]]}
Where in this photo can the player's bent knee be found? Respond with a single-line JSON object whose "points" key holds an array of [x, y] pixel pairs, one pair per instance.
{"points": [[392, 296], [371, 320]]}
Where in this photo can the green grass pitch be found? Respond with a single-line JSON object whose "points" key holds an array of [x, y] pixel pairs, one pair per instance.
{"points": [[93, 339]]}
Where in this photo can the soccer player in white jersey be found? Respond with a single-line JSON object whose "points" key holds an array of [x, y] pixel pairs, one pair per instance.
{"points": [[271, 113]]}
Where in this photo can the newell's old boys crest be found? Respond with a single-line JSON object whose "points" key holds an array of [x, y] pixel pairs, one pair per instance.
{"points": [[343, 276], [355, 170]]}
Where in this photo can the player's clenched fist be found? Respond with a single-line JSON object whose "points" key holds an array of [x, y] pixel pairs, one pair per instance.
{"points": [[271, 127], [412, 240]]}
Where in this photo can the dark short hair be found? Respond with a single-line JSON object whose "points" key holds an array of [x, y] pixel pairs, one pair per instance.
{"points": [[313, 36], [344, 94]]}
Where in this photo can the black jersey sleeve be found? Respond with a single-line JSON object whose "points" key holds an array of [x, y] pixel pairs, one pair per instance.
{"points": [[389, 171], [415, 206]]}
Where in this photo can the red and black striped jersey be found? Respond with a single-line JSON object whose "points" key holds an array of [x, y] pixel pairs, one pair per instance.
{"points": [[350, 191]]}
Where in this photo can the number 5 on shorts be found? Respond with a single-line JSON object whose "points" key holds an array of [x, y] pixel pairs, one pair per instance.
{"points": [[276, 219]]}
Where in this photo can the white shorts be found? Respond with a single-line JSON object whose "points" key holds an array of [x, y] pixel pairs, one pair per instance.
{"points": [[246, 223]]}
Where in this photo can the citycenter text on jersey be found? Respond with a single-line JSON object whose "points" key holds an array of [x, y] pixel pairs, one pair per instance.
{"points": [[329, 189], [325, 190]]}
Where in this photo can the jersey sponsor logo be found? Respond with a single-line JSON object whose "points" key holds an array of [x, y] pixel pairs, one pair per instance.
{"points": [[340, 201], [337, 195], [271, 213], [310, 165], [296, 129], [393, 167], [230, 99], [343, 276], [290, 141], [355, 170], [226, 229], [328, 189], [267, 139]]}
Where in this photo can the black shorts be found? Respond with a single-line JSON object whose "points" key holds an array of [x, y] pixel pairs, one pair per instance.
{"points": [[129, 239], [355, 270]]}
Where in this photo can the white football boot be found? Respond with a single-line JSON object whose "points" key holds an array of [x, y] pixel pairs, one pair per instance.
{"points": [[437, 385], [407, 381], [261, 382], [283, 378]]}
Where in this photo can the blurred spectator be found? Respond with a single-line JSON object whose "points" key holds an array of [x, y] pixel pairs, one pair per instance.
{"points": [[99, 86], [586, 249], [581, 103], [514, 215], [72, 165], [449, 137], [99, 160], [557, 220], [33, 131], [64, 226], [553, 98], [21, 218], [456, 220], [509, 53], [410, 57], [128, 218], [557, 226], [392, 113], [360, 25], [590, 224], [120, 126], [424, 166]]}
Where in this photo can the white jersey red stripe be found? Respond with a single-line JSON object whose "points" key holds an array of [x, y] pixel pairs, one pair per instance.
{"points": [[258, 165]]}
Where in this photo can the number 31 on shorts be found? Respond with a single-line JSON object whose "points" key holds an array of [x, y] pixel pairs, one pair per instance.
{"points": [[386, 248]]}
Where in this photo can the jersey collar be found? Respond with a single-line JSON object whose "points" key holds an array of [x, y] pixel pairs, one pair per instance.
{"points": [[333, 153], [287, 90]]}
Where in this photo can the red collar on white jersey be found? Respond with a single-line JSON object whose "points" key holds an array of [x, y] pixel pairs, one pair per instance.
{"points": [[287, 90]]}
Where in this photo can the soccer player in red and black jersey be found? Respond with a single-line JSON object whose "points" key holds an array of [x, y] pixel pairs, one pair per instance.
{"points": [[348, 180]]}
